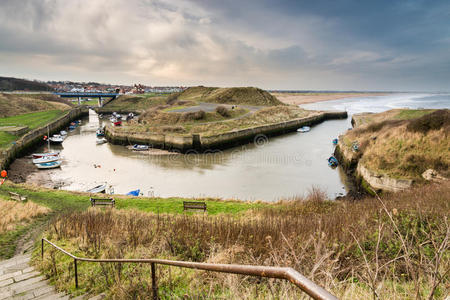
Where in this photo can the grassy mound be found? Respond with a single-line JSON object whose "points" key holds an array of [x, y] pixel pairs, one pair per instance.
{"points": [[235, 95], [16, 84], [403, 143], [15, 104], [137, 103]]}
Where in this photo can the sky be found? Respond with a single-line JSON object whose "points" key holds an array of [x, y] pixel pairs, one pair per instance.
{"points": [[293, 45]]}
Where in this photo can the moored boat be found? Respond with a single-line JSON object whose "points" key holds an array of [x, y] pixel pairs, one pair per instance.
{"points": [[304, 129], [49, 165], [117, 123], [100, 132], [56, 139], [139, 147], [101, 141], [133, 193], [335, 141], [46, 159], [39, 155], [333, 162], [98, 189]]}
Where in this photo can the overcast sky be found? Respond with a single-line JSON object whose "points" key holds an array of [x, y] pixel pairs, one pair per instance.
{"points": [[324, 45]]}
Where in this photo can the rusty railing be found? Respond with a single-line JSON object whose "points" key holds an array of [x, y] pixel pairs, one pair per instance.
{"points": [[306, 285]]}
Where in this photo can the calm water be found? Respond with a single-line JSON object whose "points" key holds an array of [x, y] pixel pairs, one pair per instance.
{"points": [[283, 167]]}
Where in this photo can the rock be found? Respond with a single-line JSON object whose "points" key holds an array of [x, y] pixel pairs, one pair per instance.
{"points": [[432, 175]]}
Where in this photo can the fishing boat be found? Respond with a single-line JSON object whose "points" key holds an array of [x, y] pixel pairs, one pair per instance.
{"points": [[304, 129], [117, 123], [49, 165], [333, 162], [139, 147], [39, 155], [98, 189], [335, 141], [101, 141], [134, 193], [46, 159]]}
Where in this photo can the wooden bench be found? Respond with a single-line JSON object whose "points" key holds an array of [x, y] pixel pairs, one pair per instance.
{"points": [[17, 197], [103, 201], [194, 205]]}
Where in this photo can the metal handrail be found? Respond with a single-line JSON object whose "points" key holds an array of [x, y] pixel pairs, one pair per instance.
{"points": [[306, 285]]}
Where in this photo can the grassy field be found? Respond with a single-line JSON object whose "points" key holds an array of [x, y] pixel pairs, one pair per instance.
{"points": [[15, 104], [32, 120], [393, 248], [140, 102], [403, 143], [60, 202]]}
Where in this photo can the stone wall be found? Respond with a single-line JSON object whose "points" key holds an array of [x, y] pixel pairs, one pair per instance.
{"points": [[8, 155], [219, 141]]}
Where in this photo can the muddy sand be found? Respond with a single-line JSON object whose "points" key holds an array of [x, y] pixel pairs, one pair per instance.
{"points": [[303, 98]]}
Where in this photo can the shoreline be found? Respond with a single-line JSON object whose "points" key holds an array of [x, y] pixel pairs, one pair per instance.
{"points": [[305, 98]]}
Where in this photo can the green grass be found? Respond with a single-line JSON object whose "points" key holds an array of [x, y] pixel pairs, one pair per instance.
{"points": [[61, 201], [32, 120], [6, 139], [408, 114]]}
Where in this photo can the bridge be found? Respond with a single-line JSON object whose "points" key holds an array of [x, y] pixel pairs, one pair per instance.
{"points": [[80, 95]]}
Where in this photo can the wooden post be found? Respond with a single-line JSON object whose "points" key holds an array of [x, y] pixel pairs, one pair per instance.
{"points": [[76, 272], [42, 248], [154, 287]]}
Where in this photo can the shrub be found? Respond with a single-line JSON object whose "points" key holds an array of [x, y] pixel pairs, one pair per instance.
{"points": [[223, 111], [434, 121]]}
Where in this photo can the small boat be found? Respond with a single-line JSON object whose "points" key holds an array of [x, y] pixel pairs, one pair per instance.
{"points": [[39, 155], [304, 129], [98, 189], [117, 123], [134, 193], [56, 139], [139, 147], [100, 116], [72, 127], [46, 159], [335, 141], [333, 162], [49, 165], [63, 133], [100, 132], [355, 146], [101, 141]]}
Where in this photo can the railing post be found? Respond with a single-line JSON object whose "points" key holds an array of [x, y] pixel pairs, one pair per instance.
{"points": [[76, 272], [154, 287], [42, 249]]}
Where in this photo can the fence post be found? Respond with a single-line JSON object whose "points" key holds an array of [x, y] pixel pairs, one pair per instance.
{"points": [[76, 272], [154, 287], [42, 248]]}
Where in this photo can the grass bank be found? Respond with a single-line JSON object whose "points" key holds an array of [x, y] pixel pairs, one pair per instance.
{"points": [[402, 143], [393, 248], [134, 103], [31, 120]]}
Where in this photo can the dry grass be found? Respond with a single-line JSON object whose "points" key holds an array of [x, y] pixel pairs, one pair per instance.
{"points": [[395, 247], [14, 213], [404, 148], [14, 104]]}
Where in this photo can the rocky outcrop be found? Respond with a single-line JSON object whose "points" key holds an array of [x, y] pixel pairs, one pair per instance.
{"points": [[382, 182]]}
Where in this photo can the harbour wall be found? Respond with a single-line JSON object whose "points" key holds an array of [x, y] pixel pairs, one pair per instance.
{"points": [[30, 139], [225, 140]]}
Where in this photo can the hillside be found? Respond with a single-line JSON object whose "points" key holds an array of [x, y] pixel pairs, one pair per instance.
{"points": [[15, 104], [402, 143], [136, 103], [16, 84], [235, 95]]}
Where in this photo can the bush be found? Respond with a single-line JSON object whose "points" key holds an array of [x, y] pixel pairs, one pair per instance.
{"points": [[223, 111], [172, 98], [434, 121]]}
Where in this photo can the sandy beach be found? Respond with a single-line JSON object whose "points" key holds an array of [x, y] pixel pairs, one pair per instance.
{"points": [[303, 98]]}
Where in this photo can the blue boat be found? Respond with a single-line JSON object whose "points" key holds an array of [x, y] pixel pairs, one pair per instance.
{"points": [[49, 165], [100, 132], [333, 162], [335, 141], [134, 193]]}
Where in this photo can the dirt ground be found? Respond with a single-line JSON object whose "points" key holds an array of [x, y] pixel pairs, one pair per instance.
{"points": [[303, 98], [23, 170]]}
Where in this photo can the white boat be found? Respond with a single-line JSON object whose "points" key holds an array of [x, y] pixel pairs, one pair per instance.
{"points": [[113, 119], [39, 155], [140, 147], [46, 159], [98, 189], [49, 165], [304, 129], [56, 139], [101, 141], [63, 133]]}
